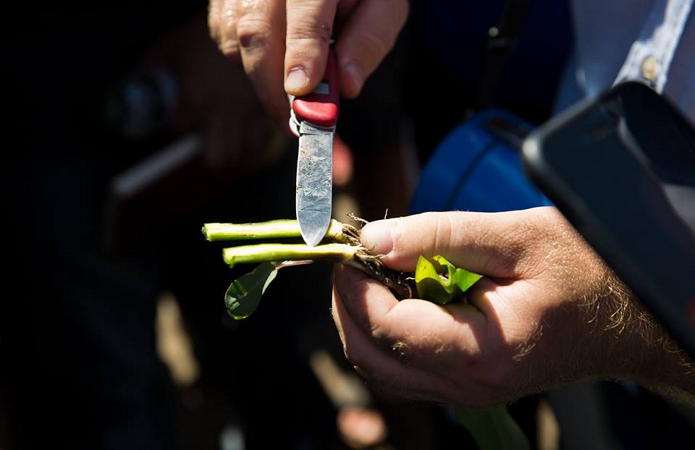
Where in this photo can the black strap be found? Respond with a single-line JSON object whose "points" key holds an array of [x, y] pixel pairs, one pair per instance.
{"points": [[501, 42]]}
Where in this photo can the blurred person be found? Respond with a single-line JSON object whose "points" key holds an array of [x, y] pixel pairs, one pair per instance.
{"points": [[81, 369], [77, 341]]}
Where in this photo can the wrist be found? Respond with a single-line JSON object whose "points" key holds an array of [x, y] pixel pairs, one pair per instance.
{"points": [[638, 349]]}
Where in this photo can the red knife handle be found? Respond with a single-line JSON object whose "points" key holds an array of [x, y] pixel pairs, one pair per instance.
{"points": [[321, 106]]}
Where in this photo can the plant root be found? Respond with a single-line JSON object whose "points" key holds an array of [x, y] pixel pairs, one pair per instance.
{"points": [[402, 284]]}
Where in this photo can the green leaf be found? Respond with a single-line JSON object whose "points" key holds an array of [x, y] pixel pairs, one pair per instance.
{"points": [[433, 286], [493, 429], [462, 278], [244, 294], [430, 286]]}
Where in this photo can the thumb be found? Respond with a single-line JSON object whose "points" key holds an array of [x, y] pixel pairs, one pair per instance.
{"points": [[492, 244]]}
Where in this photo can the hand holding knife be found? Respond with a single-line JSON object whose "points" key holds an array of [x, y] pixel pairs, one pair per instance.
{"points": [[313, 120]]}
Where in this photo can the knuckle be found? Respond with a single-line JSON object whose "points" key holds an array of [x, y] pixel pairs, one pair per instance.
{"points": [[399, 237], [375, 45], [224, 33], [222, 22], [444, 231], [316, 31], [229, 48], [253, 30], [437, 231]]}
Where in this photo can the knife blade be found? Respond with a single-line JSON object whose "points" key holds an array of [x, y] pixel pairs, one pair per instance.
{"points": [[314, 118]]}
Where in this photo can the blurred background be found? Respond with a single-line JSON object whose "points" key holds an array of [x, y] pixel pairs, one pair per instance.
{"points": [[125, 130]]}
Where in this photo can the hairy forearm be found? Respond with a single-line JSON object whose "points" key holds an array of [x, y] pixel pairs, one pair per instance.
{"points": [[665, 368], [638, 348]]}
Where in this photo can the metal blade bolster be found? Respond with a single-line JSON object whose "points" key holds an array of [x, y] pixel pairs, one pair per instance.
{"points": [[314, 182]]}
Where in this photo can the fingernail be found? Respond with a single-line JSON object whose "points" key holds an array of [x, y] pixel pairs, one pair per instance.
{"points": [[356, 74], [378, 236], [296, 79]]}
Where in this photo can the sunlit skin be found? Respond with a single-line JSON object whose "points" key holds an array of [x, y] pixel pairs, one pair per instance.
{"points": [[547, 312]]}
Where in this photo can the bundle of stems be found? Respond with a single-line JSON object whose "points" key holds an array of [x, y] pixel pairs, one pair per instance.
{"points": [[341, 244]]}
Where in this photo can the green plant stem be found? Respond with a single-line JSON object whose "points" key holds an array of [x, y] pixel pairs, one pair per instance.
{"points": [[265, 230], [349, 250], [293, 252]]}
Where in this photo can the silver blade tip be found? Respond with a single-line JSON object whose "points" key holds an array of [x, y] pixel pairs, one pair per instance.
{"points": [[313, 235]]}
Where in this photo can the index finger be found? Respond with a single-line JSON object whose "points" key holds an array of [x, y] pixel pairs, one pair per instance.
{"points": [[309, 30]]}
